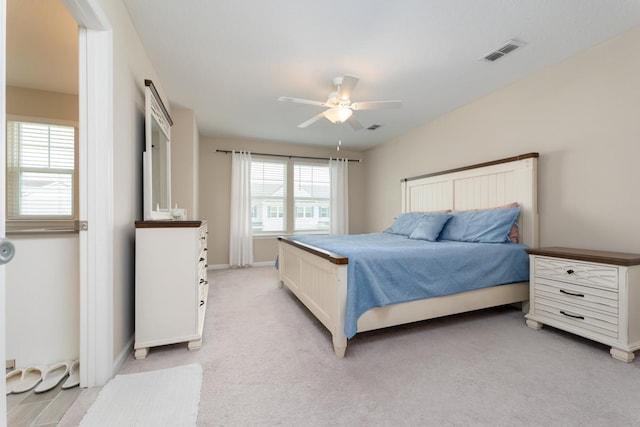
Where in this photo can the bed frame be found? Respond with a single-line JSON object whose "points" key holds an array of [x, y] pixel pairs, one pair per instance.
{"points": [[318, 278]]}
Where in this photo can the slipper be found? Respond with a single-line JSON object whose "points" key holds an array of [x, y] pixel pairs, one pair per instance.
{"points": [[53, 376], [12, 378], [74, 376], [30, 377]]}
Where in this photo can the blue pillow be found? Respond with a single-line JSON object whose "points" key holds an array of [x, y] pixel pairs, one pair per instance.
{"points": [[405, 223], [485, 226], [430, 227]]}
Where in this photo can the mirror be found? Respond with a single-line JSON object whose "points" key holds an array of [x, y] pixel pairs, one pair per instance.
{"points": [[156, 157]]}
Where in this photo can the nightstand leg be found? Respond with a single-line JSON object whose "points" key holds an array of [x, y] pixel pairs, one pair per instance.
{"points": [[623, 355], [534, 325]]}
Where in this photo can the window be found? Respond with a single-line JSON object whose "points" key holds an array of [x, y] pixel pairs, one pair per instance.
{"points": [[273, 212], [268, 196], [41, 179], [311, 195]]}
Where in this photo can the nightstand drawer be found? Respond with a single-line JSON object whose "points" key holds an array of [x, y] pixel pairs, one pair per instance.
{"points": [[580, 273], [577, 295], [582, 317]]}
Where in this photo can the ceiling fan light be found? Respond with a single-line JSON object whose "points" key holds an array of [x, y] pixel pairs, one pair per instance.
{"points": [[338, 114]]}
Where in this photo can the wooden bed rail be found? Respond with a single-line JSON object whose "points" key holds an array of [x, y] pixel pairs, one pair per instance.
{"points": [[329, 256]]}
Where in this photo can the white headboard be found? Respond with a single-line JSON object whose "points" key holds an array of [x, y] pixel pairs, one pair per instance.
{"points": [[484, 185]]}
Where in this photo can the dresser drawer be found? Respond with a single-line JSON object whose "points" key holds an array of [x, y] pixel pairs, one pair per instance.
{"points": [[577, 295], [578, 316], [576, 272]]}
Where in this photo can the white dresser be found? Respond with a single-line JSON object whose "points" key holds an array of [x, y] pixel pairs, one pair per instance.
{"points": [[171, 284], [594, 294]]}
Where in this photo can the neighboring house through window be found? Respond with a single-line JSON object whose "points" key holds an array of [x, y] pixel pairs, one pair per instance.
{"points": [[274, 212]]}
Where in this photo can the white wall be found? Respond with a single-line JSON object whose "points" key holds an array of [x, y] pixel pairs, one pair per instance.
{"points": [[582, 116], [43, 303], [43, 320]]}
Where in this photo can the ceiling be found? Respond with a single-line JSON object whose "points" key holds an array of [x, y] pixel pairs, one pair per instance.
{"points": [[230, 60]]}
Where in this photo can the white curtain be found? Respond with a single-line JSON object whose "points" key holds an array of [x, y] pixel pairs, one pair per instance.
{"points": [[240, 238], [339, 173]]}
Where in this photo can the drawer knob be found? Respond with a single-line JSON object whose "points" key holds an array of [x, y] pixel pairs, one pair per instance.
{"points": [[571, 293], [570, 271], [575, 316]]}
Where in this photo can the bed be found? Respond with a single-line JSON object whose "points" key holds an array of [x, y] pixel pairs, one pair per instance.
{"points": [[319, 277]]}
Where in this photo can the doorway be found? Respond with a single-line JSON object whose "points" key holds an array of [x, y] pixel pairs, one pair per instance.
{"points": [[95, 245]]}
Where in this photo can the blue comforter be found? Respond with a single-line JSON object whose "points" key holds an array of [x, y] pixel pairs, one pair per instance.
{"points": [[387, 268]]}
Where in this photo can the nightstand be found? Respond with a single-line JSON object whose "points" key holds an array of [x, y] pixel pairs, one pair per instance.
{"points": [[594, 294]]}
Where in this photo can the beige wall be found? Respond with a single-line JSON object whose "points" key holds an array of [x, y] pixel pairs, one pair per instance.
{"points": [[39, 103], [131, 68], [215, 192], [184, 163], [582, 116]]}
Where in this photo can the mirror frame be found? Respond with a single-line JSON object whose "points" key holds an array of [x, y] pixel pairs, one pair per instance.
{"points": [[155, 111]]}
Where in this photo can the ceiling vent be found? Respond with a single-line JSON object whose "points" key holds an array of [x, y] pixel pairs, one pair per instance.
{"points": [[373, 127], [509, 47]]}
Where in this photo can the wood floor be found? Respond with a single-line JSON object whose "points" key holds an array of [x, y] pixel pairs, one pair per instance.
{"points": [[43, 409]]}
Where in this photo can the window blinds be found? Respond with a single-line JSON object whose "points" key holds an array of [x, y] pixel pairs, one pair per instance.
{"points": [[40, 170]]}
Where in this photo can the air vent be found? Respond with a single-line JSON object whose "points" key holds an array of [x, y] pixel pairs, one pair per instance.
{"points": [[509, 47], [373, 127]]}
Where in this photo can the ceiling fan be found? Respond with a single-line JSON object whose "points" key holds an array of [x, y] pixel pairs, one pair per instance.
{"points": [[339, 106]]}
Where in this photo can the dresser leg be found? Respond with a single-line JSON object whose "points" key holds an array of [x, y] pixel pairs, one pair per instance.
{"points": [[141, 353], [194, 344], [534, 325], [623, 355]]}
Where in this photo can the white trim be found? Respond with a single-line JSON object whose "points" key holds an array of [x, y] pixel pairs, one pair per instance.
{"points": [[255, 264], [95, 59], [3, 134], [88, 14], [96, 196], [264, 264]]}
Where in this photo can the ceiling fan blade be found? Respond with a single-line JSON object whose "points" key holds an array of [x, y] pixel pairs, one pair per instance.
{"points": [[354, 123], [376, 105], [311, 120], [302, 101], [349, 82]]}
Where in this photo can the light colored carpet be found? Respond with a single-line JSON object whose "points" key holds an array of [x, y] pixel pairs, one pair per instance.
{"points": [[167, 397], [267, 361]]}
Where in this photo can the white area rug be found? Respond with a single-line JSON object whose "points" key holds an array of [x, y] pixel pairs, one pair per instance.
{"points": [[168, 397]]}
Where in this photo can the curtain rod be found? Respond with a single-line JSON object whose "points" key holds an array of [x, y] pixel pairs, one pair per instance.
{"points": [[288, 156]]}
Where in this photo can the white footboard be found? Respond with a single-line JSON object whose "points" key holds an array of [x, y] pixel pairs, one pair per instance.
{"points": [[319, 280]]}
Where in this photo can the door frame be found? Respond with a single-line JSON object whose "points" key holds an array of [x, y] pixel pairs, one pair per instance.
{"points": [[3, 163], [95, 190], [95, 61]]}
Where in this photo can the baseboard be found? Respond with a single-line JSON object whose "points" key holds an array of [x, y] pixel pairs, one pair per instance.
{"points": [[122, 357], [264, 264], [255, 264]]}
